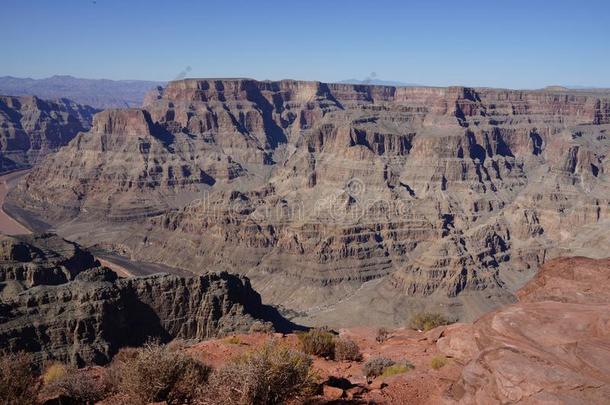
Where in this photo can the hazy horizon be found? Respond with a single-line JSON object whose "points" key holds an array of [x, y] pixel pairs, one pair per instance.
{"points": [[367, 81], [520, 44]]}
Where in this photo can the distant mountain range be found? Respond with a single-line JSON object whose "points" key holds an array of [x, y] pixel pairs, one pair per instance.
{"points": [[99, 93]]}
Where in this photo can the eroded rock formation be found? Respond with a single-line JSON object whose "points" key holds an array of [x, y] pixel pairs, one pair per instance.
{"points": [[30, 260], [88, 316], [551, 347], [343, 203], [31, 127]]}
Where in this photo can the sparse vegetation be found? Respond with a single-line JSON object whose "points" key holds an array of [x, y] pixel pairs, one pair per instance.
{"points": [[262, 327], [177, 345], [80, 387], [18, 382], [317, 342], [398, 368], [233, 340], [382, 335], [376, 366], [438, 362], [270, 375], [428, 320], [347, 350], [154, 373], [54, 372]]}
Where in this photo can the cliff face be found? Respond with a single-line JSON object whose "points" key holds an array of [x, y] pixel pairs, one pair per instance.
{"points": [[30, 260], [339, 197], [84, 317], [550, 347], [31, 127]]}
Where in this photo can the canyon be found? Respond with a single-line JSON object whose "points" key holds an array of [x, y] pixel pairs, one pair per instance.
{"points": [[58, 302], [343, 204], [31, 127], [549, 347]]}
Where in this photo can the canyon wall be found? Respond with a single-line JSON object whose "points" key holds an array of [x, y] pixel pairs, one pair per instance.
{"points": [[342, 203], [31, 127], [71, 309]]}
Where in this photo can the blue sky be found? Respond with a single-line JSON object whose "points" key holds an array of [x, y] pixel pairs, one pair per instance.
{"points": [[500, 43]]}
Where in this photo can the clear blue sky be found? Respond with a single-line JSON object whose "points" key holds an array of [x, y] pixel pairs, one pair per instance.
{"points": [[501, 43]]}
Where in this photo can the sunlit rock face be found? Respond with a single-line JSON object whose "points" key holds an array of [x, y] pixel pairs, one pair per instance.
{"points": [[343, 203], [550, 347], [31, 127]]}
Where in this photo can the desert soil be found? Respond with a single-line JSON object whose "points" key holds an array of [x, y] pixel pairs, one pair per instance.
{"points": [[422, 385]]}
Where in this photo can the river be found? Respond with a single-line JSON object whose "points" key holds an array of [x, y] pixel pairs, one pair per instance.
{"points": [[121, 265]]}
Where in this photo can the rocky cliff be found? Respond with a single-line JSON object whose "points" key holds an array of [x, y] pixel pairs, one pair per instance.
{"points": [[551, 347], [45, 259], [86, 318], [340, 201], [31, 127]]}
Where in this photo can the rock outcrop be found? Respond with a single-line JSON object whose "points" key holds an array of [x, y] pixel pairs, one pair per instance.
{"points": [[87, 318], [31, 127], [337, 199], [30, 260], [550, 347]]}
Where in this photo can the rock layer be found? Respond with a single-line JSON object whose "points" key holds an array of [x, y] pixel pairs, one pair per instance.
{"points": [[30, 128], [337, 199], [87, 319], [551, 347], [45, 259]]}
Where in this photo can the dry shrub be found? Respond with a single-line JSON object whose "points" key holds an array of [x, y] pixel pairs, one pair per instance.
{"points": [[272, 374], [428, 320], [233, 340], [155, 373], [54, 372], [18, 382], [317, 342], [438, 362], [82, 387], [382, 335], [261, 327], [126, 354], [375, 366], [347, 349], [178, 344]]}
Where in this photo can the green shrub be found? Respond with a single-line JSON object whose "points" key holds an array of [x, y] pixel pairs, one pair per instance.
{"points": [[438, 362], [398, 368], [317, 342], [270, 375], [155, 373], [375, 366], [347, 349], [428, 320], [18, 381]]}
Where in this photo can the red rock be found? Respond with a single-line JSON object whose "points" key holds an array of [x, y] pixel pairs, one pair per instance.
{"points": [[378, 384], [332, 392], [356, 392], [552, 351]]}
